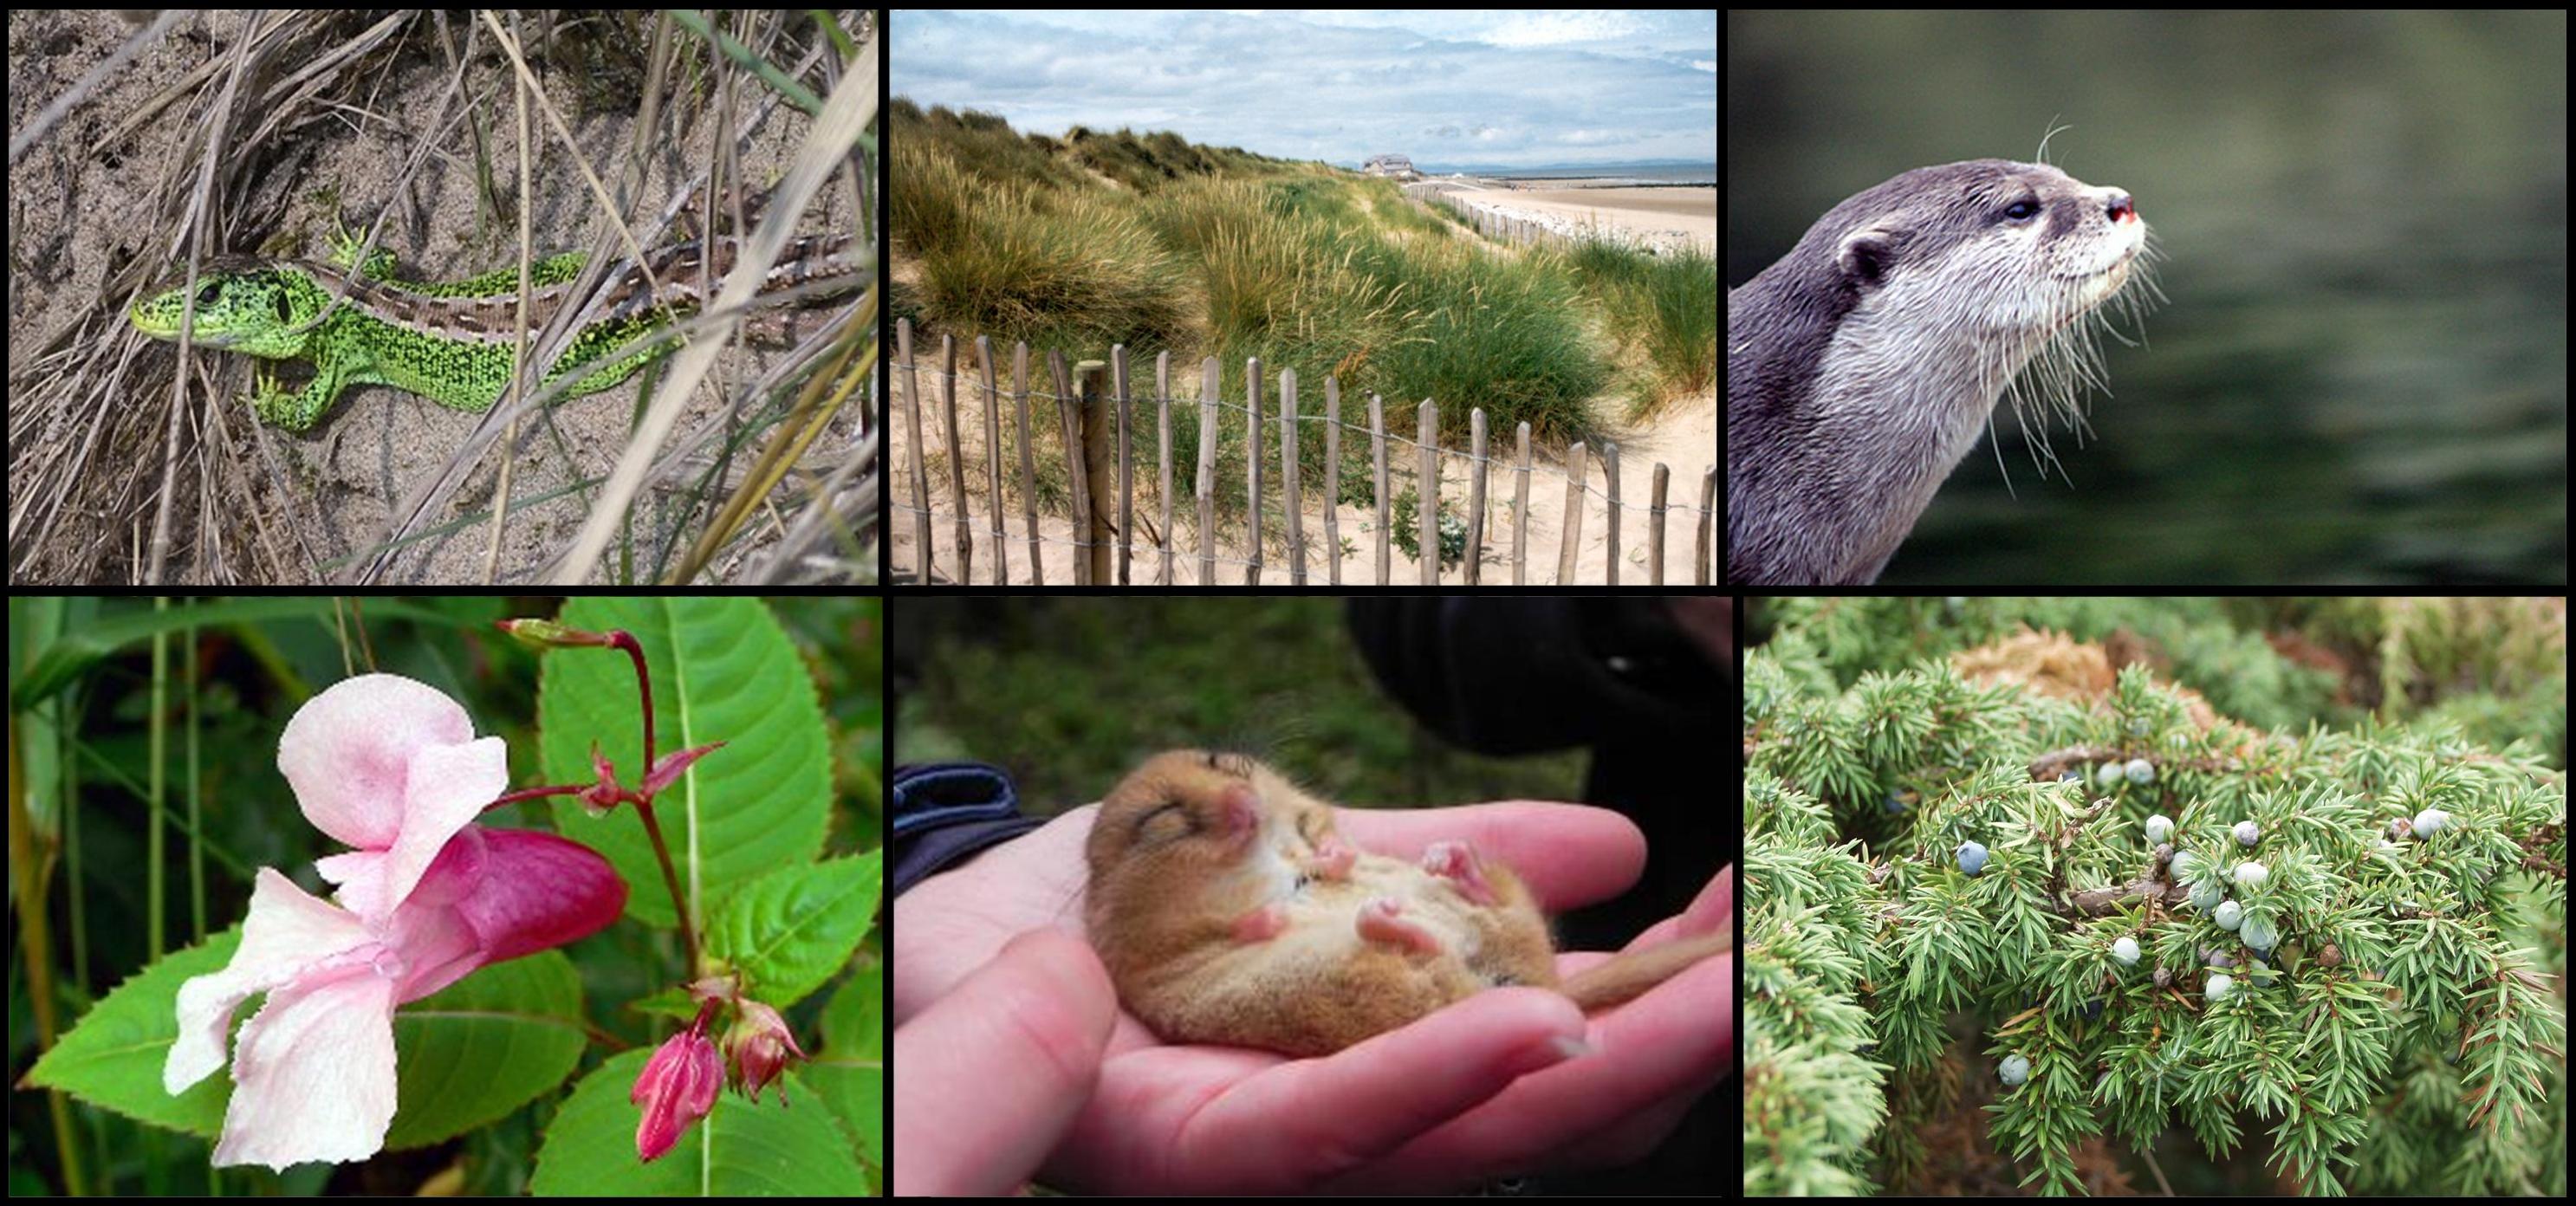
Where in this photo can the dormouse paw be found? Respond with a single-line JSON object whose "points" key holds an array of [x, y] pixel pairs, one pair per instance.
{"points": [[1457, 863], [1332, 859], [1262, 924], [1383, 920]]}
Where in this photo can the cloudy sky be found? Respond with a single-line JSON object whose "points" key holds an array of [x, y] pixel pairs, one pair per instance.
{"points": [[1492, 89]]}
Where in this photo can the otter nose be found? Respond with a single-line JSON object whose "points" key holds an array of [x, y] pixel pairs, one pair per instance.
{"points": [[2121, 208]]}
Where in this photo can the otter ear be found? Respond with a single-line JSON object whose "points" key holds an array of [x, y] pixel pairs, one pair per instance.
{"points": [[1868, 255]]}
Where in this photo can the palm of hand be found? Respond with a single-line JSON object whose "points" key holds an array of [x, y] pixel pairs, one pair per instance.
{"points": [[1456, 1097]]}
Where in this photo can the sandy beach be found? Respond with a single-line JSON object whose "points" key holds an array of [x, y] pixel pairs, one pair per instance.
{"points": [[1660, 215]]}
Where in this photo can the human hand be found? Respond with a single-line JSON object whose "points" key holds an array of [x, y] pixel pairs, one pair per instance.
{"points": [[1004, 1061], [1449, 1100]]}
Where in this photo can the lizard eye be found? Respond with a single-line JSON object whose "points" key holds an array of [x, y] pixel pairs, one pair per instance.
{"points": [[277, 300], [207, 293]]}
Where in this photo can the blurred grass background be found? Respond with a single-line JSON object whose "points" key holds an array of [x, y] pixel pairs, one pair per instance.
{"points": [[1068, 694]]}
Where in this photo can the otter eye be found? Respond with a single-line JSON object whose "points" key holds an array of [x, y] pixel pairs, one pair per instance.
{"points": [[2022, 211]]}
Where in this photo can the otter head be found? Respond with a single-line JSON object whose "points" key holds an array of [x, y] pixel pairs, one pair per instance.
{"points": [[1989, 250], [1861, 366]]}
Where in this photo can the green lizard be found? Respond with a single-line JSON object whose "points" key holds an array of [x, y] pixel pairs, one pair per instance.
{"points": [[453, 342]]}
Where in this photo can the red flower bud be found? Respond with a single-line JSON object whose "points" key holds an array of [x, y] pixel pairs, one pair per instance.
{"points": [[678, 1087], [761, 1045]]}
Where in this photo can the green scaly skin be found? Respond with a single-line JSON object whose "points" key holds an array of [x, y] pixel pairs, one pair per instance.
{"points": [[270, 311]]}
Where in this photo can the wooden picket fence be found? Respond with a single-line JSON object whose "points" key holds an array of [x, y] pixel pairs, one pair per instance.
{"points": [[1092, 419], [1517, 231]]}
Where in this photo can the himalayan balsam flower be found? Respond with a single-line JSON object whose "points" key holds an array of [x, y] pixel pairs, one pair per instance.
{"points": [[678, 1087], [761, 1044], [393, 768]]}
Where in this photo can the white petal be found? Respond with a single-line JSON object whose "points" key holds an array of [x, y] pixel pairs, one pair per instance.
{"points": [[351, 754], [287, 931], [314, 1079]]}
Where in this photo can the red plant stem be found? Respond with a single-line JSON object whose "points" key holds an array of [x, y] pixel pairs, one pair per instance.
{"points": [[622, 639], [671, 880]]}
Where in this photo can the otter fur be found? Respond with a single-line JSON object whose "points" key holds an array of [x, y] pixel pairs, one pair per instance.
{"points": [[1860, 366]]}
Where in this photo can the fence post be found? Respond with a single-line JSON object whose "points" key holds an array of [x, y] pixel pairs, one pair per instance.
{"points": [[1377, 454], [1163, 452], [920, 472], [1126, 466], [1333, 480], [956, 463], [1207, 472], [1706, 568], [1520, 512], [1295, 506], [993, 459], [1573, 514], [1252, 465], [1610, 467], [1028, 468], [1069, 421], [1475, 494], [1655, 541], [1426, 533], [1093, 413]]}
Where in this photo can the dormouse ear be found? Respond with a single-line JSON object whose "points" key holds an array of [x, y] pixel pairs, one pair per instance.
{"points": [[1233, 762]]}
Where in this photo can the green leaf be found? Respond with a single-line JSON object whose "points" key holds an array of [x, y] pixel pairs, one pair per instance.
{"points": [[791, 929], [112, 1057], [73, 651], [722, 671], [848, 1072], [739, 1150], [467, 1055], [474, 1051]]}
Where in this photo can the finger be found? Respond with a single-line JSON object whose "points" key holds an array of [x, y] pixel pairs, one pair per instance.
{"points": [[1568, 854], [1323, 1116], [996, 1070]]}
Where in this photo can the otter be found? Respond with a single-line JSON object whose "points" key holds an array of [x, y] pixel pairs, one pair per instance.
{"points": [[1860, 366]]}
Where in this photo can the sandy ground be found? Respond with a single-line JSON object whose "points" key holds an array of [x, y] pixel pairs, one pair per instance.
{"points": [[1688, 214], [1683, 436]]}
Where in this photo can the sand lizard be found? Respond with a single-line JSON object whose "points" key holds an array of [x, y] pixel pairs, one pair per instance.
{"points": [[453, 342]]}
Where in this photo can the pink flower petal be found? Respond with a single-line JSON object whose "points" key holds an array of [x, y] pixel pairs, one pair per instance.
{"points": [[314, 1078], [392, 767], [288, 930], [538, 891]]}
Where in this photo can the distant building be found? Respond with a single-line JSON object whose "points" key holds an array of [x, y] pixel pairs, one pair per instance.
{"points": [[1396, 166]]}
